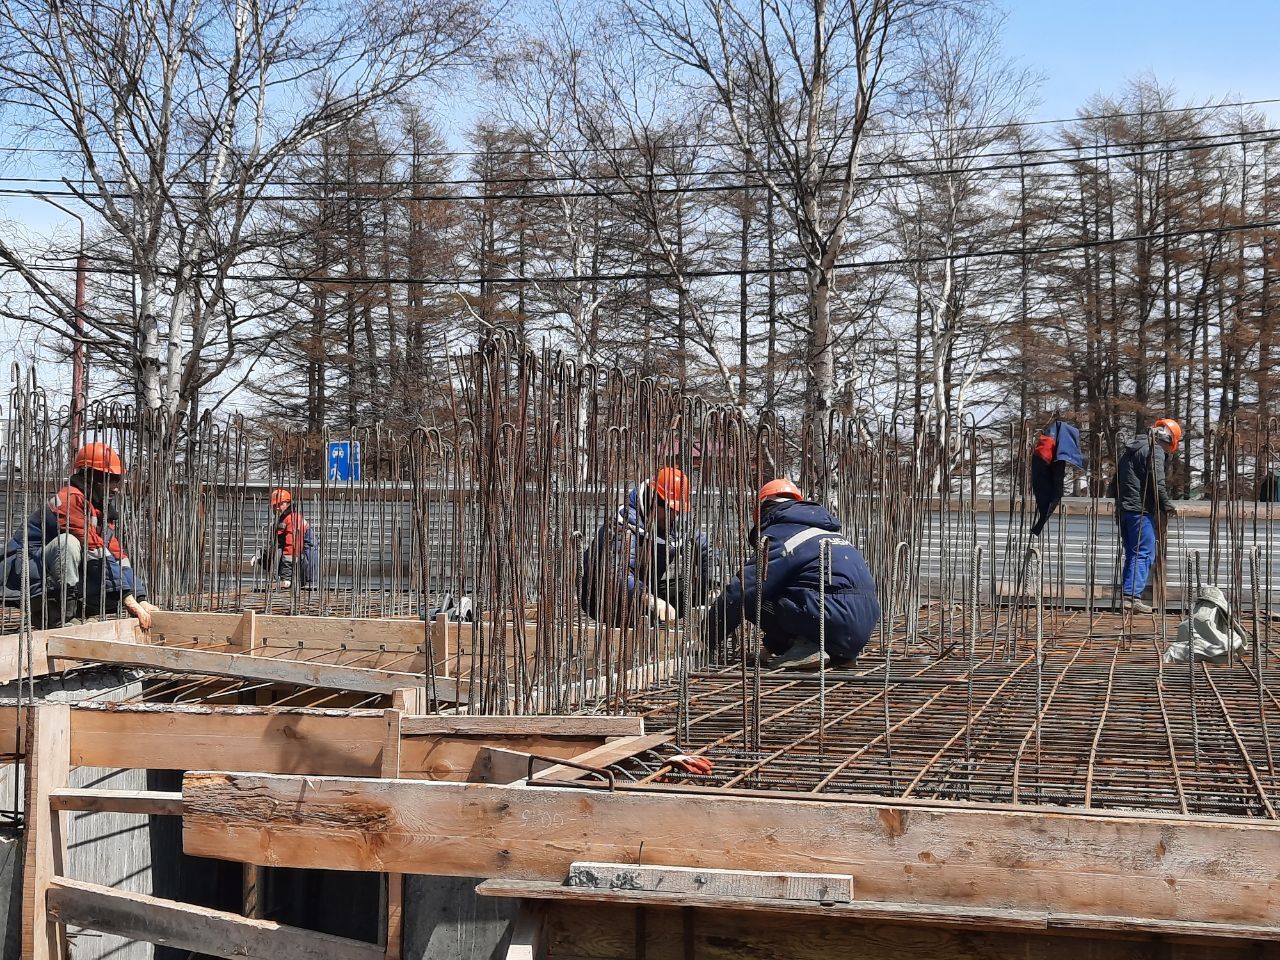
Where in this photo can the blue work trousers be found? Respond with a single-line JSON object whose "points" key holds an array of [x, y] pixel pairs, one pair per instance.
{"points": [[1138, 531]]}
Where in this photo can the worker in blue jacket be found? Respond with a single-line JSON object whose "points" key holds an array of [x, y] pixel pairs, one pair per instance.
{"points": [[796, 609], [646, 561]]}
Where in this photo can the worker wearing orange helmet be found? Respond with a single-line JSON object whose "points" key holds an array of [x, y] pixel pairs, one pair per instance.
{"points": [[645, 561], [76, 566], [1142, 496], [807, 623], [293, 550]]}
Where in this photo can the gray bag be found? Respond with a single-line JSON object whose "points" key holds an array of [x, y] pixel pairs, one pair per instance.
{"points": [[1209, 634]]}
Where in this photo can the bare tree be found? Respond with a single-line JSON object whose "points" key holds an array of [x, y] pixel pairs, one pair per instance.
{"points": [[796, 86], [178, 115], [965, 100]]}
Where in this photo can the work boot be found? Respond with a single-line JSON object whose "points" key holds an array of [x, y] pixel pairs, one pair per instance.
{"points": [[1135, 605], [842, 663], [803, 655], [284, 584]]}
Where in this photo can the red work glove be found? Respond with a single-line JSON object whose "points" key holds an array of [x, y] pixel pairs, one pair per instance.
{"points": [[689, 764]]}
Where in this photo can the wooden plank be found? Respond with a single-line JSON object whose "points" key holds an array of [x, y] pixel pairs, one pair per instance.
{"points": [[168, 737], [393, 929], [1068, 862], [858, 910], [244, 666], [183, 926], [313, 631], [601, 727], [48, 768], [627, 931], [603, 756], [245, 635], [13, 661], [825, 888], [144, 802]]}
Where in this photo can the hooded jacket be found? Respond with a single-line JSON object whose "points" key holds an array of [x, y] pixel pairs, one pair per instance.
{"points": [[627, 559], [1140, 478], [791, 597]]}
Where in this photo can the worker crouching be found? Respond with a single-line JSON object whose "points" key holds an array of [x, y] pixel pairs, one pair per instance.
{"points": [[645, 562], [76, 566], [817, 602], [292, 552]]}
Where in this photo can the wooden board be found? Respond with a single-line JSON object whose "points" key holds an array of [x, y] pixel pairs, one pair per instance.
{"points": [[656, 931], [1068, 862], [48, 768], [826, 888], [170, 737], [142, 802], [244, 666], [588, 727], [182, 926], [13, 659], [603, 756]]}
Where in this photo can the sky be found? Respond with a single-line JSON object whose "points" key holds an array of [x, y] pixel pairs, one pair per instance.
{"points": [[1205, 49]]}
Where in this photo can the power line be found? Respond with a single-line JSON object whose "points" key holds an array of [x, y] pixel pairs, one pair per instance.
{"points": [[639, 275], [1081, 157], [531, 151], [1065, 153]]}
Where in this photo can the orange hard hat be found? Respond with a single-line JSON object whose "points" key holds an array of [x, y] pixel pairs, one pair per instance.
{"points": [[1168, 432], [100, 457], [673, 487], [280, 498], [782, 487]]}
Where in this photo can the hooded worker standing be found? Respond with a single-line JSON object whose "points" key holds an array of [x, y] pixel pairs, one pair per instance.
{"points": [[806, 623], [1141, 496], [293, 550], [645, 560], [76, 565]]}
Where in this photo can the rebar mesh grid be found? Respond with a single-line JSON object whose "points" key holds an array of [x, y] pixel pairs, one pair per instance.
{"points": [[1100, 723]]}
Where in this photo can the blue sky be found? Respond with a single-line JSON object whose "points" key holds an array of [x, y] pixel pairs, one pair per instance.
{"points": [[1204, 49]]}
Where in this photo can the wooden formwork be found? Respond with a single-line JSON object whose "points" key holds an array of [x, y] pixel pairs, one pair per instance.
{"points": [[396, 791]]}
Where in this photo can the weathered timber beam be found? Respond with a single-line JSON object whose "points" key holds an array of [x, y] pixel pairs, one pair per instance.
{"points": [[200, 930], [244, 666], [973, 918], [148, 802], [601, 727], [943, 855]]}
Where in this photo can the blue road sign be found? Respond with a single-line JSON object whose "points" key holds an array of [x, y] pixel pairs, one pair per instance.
{"points": [[344, 461]]}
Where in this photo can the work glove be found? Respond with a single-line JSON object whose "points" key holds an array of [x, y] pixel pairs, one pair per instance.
{"points": [[691, 764], [660, 611], [1172, 511]]}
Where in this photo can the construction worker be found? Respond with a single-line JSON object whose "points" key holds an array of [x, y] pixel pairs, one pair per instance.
{"points": [[1141, 497], [76, 566], [643, 561], [806, 624], [293, 549]]}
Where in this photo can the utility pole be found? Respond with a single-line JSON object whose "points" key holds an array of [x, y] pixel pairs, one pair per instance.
{"points": [[77, 355], [78, 364]]}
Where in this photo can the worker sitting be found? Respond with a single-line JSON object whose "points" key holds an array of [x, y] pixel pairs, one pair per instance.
{"points": [[292, 550], [75, 564], [644, 561], [1141, 496], [807, 624]]}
